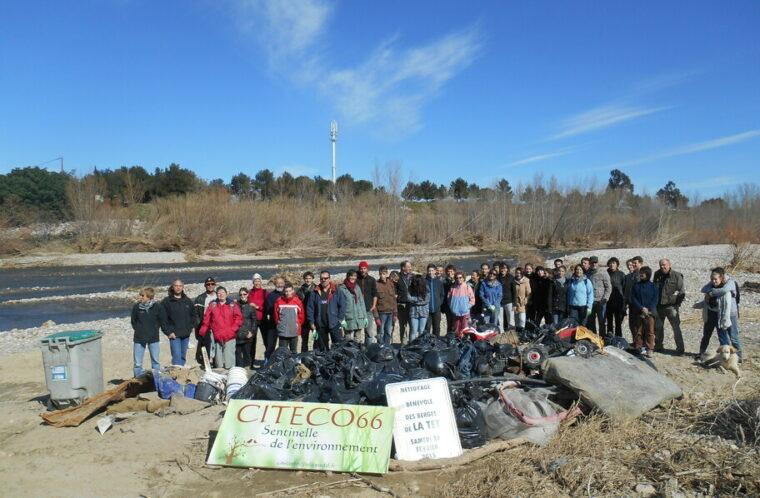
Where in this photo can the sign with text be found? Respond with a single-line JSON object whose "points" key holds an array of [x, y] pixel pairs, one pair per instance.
{"points": [[425, 426], [309, 436]]}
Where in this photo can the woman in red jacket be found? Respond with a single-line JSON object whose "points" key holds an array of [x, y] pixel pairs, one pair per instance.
{"points": [[222, 319]]}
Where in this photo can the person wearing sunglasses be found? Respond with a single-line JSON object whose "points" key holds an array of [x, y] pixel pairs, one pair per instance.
{"points": [[201, 304], [324, 312]]}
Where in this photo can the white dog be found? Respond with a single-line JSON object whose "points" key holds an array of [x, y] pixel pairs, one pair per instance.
{"points": [[725, 358]]}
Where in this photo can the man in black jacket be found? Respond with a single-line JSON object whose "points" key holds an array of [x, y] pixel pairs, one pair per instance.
{"points": [[270, 340], [435, 300], [402, 288], [179, 321], [368, 285], [615, 311], [508, 297], [672, 293], [304, 293], [558, 294], [201, 303]]}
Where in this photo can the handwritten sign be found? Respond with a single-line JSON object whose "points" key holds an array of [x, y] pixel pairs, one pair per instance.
{"points": [[424, 425], [309, 436]]}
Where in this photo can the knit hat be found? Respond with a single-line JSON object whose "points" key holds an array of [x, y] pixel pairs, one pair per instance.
{"points": [[364, 264], [256, 276]]}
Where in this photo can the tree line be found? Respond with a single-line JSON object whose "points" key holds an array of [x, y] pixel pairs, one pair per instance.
{"points": [[33, 193]]}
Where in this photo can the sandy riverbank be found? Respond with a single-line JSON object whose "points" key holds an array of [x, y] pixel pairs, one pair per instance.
{"points": [[154, 456]]}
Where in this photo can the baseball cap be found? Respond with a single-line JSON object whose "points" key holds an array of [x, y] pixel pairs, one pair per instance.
{"points": [[364, 264], [210, 280]]}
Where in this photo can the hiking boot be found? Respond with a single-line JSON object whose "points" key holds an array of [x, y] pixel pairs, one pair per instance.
{"points": [[648, 353]]}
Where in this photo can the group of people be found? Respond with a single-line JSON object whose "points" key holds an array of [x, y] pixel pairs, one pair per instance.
{"points": [[365, 308]]}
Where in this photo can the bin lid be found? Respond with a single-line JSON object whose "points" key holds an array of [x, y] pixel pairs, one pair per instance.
{"points": [[71, 336]]}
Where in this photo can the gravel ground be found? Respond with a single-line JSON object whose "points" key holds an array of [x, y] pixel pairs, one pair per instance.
{"points": [[694, 262]]}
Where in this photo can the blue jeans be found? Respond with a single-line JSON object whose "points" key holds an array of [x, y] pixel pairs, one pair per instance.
{"points": [[416, 326], [733, 333], [153, 349], [178, 347], [597, 318], [385, 334], [578, 313], [723, 334]]}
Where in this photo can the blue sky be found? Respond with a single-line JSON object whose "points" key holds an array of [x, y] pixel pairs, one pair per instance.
{"points": [[662, 90]]}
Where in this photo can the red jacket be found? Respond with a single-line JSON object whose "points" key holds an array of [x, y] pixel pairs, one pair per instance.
{"points": [[258, 297], [224, 319]]}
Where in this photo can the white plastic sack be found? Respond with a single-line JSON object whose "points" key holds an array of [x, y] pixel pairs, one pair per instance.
{"points": [[522, 415], [617, 384]]}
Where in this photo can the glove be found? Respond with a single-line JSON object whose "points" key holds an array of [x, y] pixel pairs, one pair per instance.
{"points": [[395, 318], [314, 335], [492, 308], [378, 322], [588, 311], [366, 323], [343, 325]]}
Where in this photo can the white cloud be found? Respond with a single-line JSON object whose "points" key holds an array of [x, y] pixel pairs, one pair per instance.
{"points": [[540, 157], [718, 181], [689, 149], [284, 27], [388, 89], [601, 117]]}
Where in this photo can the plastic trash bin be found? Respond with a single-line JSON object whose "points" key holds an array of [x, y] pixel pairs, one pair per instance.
{"points": [[73, 364]]}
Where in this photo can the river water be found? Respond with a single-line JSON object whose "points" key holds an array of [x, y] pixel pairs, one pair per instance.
{"points": [[23, 291]]}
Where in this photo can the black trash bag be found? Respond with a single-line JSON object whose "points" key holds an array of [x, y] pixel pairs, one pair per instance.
{"points": [[567, 323], [442, 363], [258, 387], [417, 374], [471, 423], [483, 347], [427, 342], [380, 353], [336, 392], [374, 389], [301, 388], [410, 358], [392, 367]]}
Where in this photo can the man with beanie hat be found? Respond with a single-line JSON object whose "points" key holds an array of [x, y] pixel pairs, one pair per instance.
{"points": [[368, 285]]}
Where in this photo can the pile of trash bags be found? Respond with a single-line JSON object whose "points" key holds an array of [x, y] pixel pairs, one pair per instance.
{"points": [[497, 390]]}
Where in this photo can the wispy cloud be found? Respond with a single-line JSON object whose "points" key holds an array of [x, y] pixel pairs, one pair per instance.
{"points": [[689, 149], [718, 181], [601, 117], [388, 89], [541, 157], [283, 28]]}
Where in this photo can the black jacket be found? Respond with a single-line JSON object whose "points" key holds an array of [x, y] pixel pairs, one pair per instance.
{"points": [[617, 298], [368, 285], [200, 309], [179, 316], [146, 324], [541, 293], [447, 285], [508, 289], [249, 322], [436, 297], [402, 289], [558, 296], [269, 308]]}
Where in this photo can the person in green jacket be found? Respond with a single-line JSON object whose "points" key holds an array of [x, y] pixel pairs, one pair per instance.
{"points": [[356, 317]]}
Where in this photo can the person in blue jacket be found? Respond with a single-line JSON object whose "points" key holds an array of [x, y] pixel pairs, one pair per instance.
{"points": [[580, 296], [491, 293], [644, 297], [325, 309]]}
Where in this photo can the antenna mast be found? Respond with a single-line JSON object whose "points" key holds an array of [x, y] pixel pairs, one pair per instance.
{"points": [[333, 139]]}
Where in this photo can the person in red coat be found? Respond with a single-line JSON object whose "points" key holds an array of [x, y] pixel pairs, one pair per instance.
{"points": [[224, 318], [288, 318]]}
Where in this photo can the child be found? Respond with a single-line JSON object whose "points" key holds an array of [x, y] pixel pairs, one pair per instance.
{"points": [[223, 318], [146, 320], [288, 318], [644, 298]]}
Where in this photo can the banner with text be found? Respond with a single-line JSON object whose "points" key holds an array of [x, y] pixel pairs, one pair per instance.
{"points": [[309, 436], [425, 426]]}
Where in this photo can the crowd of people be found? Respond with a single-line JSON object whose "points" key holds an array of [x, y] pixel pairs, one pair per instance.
{"points": [[319, 313]]}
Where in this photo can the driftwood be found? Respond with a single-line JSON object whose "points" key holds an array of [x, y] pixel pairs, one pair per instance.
{"points": [[444, 463], [72, 417]]}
